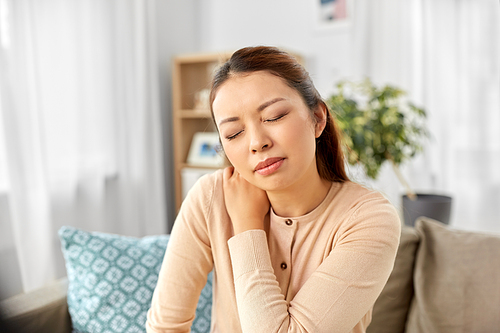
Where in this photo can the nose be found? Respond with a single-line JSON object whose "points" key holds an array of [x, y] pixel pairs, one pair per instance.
{"points": [[259, 141]]}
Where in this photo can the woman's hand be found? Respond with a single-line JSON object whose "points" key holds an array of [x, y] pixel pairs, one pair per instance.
{"points": [[246, 204]]}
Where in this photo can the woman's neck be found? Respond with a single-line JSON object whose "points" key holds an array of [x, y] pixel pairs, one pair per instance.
{"points": [[299, 200]]}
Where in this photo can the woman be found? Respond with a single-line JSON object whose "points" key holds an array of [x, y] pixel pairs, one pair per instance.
{"points": [[294, 245]]}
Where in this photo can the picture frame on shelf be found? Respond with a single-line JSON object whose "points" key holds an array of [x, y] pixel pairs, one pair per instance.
{"points": [[332, 14], [205, 150]]}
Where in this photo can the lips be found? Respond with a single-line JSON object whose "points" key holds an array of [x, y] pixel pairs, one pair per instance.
{"points": [[267, 162], [269, 166]]}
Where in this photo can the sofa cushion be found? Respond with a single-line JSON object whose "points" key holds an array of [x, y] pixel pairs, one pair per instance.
{"points": [[457, 281], [112, 279], [391, 308]]}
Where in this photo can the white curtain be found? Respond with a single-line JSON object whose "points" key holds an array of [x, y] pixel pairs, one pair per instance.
{"points": [[81, 125], [446, 54]]}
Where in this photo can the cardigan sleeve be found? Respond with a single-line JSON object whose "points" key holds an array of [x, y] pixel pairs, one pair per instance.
{"points": [[185, 267], [337, 295]]}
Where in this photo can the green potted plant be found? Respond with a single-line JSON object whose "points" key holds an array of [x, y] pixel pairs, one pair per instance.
{"points": [[379, 126]]}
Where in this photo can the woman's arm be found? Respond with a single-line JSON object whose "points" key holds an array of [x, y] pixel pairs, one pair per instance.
{"points": [[187, 262], [337, 295]]}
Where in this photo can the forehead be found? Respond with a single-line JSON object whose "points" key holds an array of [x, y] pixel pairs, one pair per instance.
{"points": [[250, 90]]}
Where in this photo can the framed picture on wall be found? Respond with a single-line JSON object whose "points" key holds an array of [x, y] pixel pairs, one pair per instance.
{"points": [[333, 13], [205, 150]]}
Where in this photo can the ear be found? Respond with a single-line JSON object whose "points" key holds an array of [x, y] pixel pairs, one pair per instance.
{"points": [[320, 115]]}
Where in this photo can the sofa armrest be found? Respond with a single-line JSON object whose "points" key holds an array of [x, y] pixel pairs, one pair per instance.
{"points": [[42, 310]]}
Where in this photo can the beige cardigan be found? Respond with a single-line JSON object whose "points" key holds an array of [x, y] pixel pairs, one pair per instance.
{"points": [[320, 272]]}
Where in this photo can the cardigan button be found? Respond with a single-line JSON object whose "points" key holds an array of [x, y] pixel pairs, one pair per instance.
{"points": [[288, 222], [283, 265]]}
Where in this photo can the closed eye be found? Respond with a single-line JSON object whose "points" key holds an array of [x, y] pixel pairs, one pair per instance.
{"points": [[230, 137], [275, 119]]}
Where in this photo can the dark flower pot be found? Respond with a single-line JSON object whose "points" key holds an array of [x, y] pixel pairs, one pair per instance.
{"points": [[437, 207]]}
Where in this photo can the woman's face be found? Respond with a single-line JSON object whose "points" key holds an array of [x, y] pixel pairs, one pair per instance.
{"points": [[267, 131]]}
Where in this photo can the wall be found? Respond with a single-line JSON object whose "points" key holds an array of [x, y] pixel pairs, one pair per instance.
{"points": [[229, 25], [178, 32], [10, 282]]}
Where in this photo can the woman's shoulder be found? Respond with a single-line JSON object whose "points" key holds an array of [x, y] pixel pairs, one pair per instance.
{"points": [[356, 194], [363, 204], [207, 183], [202, 211], [206, 190]]}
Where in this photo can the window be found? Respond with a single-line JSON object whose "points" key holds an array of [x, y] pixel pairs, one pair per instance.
{"points": [[4, 182], [4, 43]]}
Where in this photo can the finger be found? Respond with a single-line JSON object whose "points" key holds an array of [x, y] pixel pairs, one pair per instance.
{"points": [[237, 176], [228, 172], [235, 172]]}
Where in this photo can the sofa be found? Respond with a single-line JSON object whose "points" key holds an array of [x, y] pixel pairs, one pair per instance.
{"points": [[444, 280]]}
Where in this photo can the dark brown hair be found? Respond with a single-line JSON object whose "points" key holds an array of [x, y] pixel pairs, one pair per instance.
{"points": [[329, 154]]}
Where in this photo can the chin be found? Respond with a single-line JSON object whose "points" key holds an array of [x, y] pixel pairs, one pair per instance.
{"points": [[269, 184]]}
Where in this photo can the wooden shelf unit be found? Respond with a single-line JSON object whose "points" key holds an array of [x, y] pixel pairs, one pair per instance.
{"points": [[191, 74]]}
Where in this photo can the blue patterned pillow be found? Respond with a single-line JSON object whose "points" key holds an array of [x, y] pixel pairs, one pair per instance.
{"points": [[112, 279], [201, 323]]}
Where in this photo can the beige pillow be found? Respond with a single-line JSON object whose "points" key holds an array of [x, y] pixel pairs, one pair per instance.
{"points": [[457, 281], [392, 306]]}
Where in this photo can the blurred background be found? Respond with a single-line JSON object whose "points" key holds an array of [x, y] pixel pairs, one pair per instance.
{"points": [[86, 105]]}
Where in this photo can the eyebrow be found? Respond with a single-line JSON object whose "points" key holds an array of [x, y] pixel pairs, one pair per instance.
{"points": [[259, 109], [266, 104]]}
